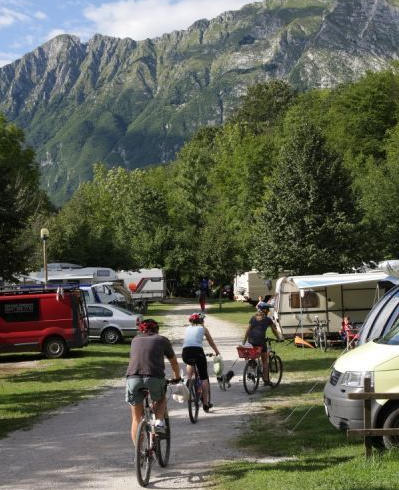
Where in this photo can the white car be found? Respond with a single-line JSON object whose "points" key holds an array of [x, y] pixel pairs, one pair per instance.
{"points": [[112, 323]]}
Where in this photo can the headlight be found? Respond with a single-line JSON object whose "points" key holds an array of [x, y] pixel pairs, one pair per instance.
{"points": [[355, 379]]}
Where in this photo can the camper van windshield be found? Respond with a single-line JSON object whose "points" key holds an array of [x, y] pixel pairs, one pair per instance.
{"points": [[392, 337]]}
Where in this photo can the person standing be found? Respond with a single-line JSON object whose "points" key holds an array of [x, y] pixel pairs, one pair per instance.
{"points": [[147, 370]]}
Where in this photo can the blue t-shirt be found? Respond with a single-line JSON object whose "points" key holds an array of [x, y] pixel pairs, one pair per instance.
{"points": [[193, 336], [258, 330]]}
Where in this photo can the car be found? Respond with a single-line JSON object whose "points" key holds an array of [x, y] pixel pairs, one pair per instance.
{"points": [[111, 323]]}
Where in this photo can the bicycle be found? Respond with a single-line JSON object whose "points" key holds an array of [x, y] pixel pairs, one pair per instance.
{"points": [[319, 334], [195, 389], [150, 445], [253, 369]]}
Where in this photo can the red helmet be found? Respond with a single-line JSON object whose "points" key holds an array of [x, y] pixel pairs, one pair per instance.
{"points": [[149, 325], [196, 318]]}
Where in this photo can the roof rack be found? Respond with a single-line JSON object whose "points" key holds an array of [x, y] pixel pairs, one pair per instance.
{"points": [[36, 288]]}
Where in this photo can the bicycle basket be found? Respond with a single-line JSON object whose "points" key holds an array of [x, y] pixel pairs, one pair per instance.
{"points": [[249, 352]]}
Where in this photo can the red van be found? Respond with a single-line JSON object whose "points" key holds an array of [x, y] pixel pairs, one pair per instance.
{"points": [[50, 320]]}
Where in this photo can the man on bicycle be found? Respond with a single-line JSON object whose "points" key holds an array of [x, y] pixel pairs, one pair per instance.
{"points": [[256, 335], [146, 370], [193, 351]]}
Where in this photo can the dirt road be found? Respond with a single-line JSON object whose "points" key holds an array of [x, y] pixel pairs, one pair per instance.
{"points": [[88, 446]]}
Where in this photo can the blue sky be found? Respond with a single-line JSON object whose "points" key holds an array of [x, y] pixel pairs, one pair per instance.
{"points": [[27, 24]]}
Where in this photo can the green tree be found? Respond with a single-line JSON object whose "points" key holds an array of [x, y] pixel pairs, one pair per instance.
{"points": [[264, 104], [307, 223], [21, 199]]}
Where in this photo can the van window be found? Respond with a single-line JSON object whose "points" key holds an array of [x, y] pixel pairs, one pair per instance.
{"points": [[309, 300], [392, 337], [381, 317], [20, 310]]}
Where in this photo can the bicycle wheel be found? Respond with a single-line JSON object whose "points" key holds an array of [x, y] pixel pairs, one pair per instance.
{"points": [[316, 337], [275, 369], [323, 340], [163, 444], [143, 454], [193, 401], [251, 376]]}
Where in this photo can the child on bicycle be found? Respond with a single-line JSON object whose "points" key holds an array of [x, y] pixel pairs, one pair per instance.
{"points": [[193, 351], [256, 335]]}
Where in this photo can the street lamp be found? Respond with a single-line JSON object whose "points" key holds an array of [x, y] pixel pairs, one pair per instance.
{"points": [[44, 234]]}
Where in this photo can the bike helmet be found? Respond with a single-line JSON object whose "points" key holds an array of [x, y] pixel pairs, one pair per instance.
{"points": [[196, 318], [262, 306], [149, 325]]}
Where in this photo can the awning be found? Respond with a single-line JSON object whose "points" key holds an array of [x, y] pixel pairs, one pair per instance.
{"points": [[311, 282]]}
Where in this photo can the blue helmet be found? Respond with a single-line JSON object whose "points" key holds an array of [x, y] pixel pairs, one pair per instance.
{"points": [[261, 306]]}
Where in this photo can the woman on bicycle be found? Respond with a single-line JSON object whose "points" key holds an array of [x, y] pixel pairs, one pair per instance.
{"points": [[193, 351], [256, 335]]}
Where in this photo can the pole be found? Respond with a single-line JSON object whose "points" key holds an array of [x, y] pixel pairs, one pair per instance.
{"points": [[45, 261]]}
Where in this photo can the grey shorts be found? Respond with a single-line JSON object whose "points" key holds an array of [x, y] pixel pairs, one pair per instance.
{"points": [[135, 384]]}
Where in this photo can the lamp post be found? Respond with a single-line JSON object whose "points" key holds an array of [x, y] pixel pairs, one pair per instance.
{"points": [[44, 234]]}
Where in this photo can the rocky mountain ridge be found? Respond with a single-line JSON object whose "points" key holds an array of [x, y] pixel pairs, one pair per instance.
{"points": [[135, 103]]}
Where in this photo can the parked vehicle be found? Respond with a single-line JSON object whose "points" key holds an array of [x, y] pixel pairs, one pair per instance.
{"points": [[330, 297], [250, 285], [47, 320], [59, 273], [145, 286], [379, 361], [111, 323], [108, 293]]}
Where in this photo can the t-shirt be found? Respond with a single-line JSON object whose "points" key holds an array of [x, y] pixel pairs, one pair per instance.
{"points": [[147, 355], [193, 336], [257, 333]]}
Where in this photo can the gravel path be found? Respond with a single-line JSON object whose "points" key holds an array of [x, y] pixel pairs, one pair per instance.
{"points": [[87, 445]]}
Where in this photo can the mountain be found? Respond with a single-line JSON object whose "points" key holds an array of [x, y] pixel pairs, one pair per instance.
{"points": [[133, 104]]}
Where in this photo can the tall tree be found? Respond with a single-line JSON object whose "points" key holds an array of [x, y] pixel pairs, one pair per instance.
{"points": [[20, 200], [307, 224]]}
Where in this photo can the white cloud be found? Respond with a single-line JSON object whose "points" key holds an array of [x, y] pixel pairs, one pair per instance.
{"points": [[9, 17], [40, 15], [140, 19], [54, 33]]}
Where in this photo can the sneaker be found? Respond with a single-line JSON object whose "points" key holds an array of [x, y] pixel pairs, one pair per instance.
{"points": [[207, 406]]}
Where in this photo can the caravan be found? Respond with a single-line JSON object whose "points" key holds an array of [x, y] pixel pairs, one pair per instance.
{"points": [[330, 297], [248, 286]]}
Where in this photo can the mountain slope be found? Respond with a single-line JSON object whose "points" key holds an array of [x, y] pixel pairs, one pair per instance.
{"points": [[134, 103]]}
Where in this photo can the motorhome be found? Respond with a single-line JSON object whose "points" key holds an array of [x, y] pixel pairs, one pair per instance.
{"points": [[330, 297], [252, 284], [58, 273]]}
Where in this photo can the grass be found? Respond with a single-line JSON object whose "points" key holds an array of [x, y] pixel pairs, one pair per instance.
{"points": [[293, 427], [32, 385], [30, 390]]}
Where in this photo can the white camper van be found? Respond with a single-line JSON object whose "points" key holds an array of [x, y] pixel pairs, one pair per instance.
{"points": [[330, 297], [250, 285]]}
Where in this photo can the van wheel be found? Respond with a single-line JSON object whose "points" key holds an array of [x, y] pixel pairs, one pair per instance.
{"points": [[391, 422], [111, 336], [55, 348]]}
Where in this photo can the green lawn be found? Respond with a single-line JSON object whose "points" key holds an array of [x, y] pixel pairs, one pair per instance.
{"points": [[293, 425]]}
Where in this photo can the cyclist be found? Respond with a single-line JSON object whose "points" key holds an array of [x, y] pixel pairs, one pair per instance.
{"points": [[147, 370], [256, 335], [193, 350]]}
